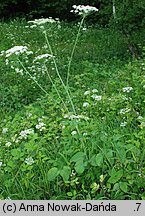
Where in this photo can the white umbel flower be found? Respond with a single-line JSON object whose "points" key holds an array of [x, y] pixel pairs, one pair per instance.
{"points": [[123, 124], [85, 104], [83, 9], [5, 130], [87, 92], [8, 144], [124, 110], [29, 161], [127, 89], [43, 56], [16, 50], [73, 133], [96, 97]]}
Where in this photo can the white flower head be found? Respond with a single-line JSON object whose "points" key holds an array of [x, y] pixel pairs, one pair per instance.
{"points": [[8, 144], [85, 134], [124, 110], [87, 92], [85, 104], [83, 10], [29, 161], [78, 117], [17, 50], [24, 134], [42, 21], [123, 124], [127, 89], [94, 90], [5, 130], [41, 126], [140, 118], [96, 97], [73, 133], [142, 125], [1, 163], [43, 56]]}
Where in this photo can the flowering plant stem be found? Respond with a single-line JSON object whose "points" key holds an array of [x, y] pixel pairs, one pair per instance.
{"points": [[32, 77], [73, 50], [66, 88], [53, 84], [57, 71]]}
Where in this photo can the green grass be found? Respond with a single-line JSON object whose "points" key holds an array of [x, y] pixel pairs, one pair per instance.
{"points": [[49, 152]]}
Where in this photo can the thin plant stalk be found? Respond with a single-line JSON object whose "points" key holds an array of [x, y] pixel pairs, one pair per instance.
{"points": [[33, 78], [53, 84], [57, 71], [73, 50], [64, 86]]}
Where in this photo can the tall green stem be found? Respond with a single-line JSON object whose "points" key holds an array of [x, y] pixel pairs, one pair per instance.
{"points": [[64, 86], [73, 50], [53, 84], [33, 78]]}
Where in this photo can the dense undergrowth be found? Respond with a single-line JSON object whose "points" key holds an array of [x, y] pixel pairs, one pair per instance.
{"points": [[50, 149]]}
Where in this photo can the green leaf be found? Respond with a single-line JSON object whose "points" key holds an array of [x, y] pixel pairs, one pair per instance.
{"points": [[16, 153], [124, 187], [52, 174], [109, 155], [69, 194], [77, 156], [65, 173], [93, 160], [116, 187], [99, 159], [115, 177], [80, 166]]}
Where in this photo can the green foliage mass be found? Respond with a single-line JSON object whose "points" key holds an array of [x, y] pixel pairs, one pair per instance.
{"points": [[47, 151]]}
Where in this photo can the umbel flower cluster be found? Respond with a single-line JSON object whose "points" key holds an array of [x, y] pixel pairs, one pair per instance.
{"points": [[83, 10], [42, 21], [17, 50]]}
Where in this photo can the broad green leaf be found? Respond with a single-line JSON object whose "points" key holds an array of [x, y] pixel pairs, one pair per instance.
{"points": [[17, 153], [52, 174], [80, 166], [93, 160], [124, 187], [115, 177], [116, 187], [69, 194], [65, 173], [11, 163], [109, 155], [77, 156], [121, 153], [99, 159]]}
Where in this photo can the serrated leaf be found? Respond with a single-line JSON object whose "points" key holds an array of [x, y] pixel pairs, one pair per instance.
{"points": [[77, 156], [124, 187], [52, 174], [115, 177], [65, 173]]}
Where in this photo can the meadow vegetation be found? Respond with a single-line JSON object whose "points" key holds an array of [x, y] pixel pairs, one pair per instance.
{"points": [[81, 138]]}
